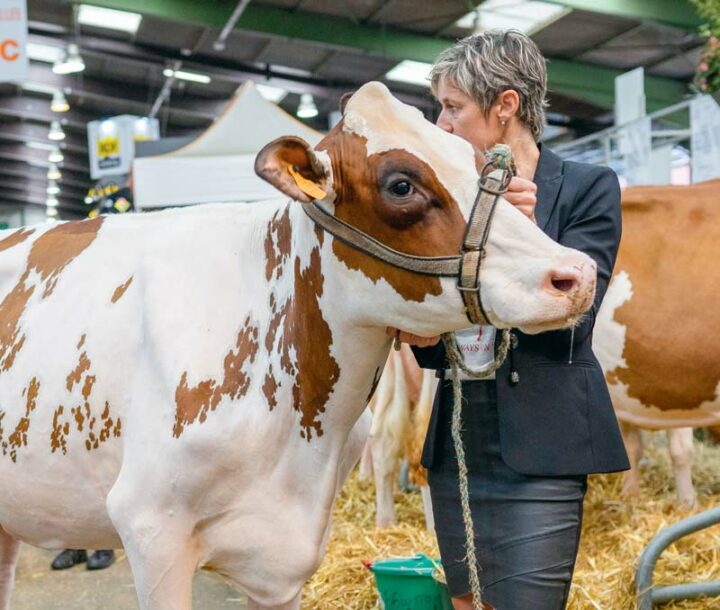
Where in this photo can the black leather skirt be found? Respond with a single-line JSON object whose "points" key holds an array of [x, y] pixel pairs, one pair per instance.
{"points": [[527, 528]]}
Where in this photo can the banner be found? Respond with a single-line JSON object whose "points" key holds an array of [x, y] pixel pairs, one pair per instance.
{"points": [[705, 138], [13, 41]]}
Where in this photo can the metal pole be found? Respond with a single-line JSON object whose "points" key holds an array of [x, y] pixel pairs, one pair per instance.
{"points": [[647, 593], [219, 44]]}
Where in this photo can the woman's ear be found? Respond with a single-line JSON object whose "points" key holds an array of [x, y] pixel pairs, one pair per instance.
{"points": [[508, 103], [291, 166]]}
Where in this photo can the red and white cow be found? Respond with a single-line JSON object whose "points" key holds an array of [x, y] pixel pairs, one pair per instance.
{"points": [[401, 407], [191, 383], [655, 334]]}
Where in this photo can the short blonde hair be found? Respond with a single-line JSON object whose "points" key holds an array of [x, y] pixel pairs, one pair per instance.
{"points": [[484, 65]]}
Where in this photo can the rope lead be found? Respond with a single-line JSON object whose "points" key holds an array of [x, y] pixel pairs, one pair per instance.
{"points": [[457, 362]]}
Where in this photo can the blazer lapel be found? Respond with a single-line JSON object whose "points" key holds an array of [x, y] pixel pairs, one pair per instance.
{"points": [[549, 178]]}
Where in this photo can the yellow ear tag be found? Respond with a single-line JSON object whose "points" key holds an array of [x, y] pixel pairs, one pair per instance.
{"points": [[306, 186]]}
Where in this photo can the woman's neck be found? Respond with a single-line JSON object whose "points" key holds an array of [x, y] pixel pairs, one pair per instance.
{"points": [[524, 148]]}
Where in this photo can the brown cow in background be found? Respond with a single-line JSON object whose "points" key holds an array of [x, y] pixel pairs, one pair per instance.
{"points": [[657, 333]]}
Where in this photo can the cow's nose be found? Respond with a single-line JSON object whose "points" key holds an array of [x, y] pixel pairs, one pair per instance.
{"points": [[565, 278]]}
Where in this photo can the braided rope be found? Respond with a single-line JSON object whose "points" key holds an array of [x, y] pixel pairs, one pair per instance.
{"points": [[457, 362]]}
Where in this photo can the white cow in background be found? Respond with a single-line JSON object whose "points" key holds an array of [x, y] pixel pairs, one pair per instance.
{"points": [[190, 384], [401, 407]]}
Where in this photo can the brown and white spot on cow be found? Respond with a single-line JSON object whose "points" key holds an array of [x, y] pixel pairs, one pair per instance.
{"points": [[82, 417], [19, 436], [60, 431], [55, 249], [669, 359], [277, 243], [11, 310], [81, 367], [15, 238], [194, 403], [432, 218], [120, 290], [269, 388], [49, 255], [307, 331]]}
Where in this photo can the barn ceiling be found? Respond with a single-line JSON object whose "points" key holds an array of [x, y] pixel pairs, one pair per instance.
{"points": [[323, 47]]}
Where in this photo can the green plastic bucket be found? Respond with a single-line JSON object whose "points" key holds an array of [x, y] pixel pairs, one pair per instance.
{"points": [[409, 583]]}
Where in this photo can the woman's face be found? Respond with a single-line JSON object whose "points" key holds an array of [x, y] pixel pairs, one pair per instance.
{"points": [[462, 116]]}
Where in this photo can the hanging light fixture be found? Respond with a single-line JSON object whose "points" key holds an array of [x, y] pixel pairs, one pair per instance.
{"points": [[59, 102], [56, 132], [307, 108], [56, 156], [53, 172], [52, 188], [71, 61]]}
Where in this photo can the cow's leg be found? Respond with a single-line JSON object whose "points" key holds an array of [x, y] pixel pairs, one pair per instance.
{"points": [[680, 441], [291, 605], [366, 466], [159, 542], [632, 437], [384, 469], [9, 551], [427, 508]]}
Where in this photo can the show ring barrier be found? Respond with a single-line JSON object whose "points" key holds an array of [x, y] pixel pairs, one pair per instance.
{"points": [[649, 594]]}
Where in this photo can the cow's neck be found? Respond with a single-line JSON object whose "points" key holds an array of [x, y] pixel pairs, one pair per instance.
{"points": [[320, 348]]}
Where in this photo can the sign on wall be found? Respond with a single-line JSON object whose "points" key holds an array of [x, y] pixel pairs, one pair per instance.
{"points": [[13, 41], [111, 143], [705, 138]]}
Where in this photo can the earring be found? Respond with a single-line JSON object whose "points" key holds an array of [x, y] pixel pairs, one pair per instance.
{"points": [[502, 122]]}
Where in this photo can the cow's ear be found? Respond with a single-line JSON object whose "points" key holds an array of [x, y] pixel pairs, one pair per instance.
{"points": [[291, 166]]}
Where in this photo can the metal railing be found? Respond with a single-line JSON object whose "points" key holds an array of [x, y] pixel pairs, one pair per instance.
{"points": [[603, 147], [649, 594]]}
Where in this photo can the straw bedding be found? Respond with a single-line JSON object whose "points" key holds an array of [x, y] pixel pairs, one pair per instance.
{"points": [[615, 532]]}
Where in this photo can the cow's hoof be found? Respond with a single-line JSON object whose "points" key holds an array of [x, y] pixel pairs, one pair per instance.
{"points": [[687, 504], [100, 560], [68, 558]]}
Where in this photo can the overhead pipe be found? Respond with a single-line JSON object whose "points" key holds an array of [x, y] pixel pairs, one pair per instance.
{"points": [[219, 44]]}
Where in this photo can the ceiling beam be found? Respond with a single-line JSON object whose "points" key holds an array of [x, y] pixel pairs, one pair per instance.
{"points": [[153, 59], [20, 169], [676, 13], [38, 187], [39, 200], [38, 110], [29, 132], [136, 96], [596, 83], [20, 152]]}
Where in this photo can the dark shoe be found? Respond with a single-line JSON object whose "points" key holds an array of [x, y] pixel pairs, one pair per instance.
{"points": [[68, 558], [100, 560]]}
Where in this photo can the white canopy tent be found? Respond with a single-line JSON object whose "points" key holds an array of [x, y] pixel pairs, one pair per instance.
{"points": [[218, 165]]}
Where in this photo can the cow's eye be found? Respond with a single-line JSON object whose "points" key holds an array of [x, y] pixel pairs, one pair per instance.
{"points": [[401, 188]]}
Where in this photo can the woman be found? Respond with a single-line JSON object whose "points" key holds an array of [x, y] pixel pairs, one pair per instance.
{"points": [[530, 438]]}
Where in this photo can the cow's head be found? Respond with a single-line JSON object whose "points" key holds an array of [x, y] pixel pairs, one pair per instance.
{"points": [[397, 177]]}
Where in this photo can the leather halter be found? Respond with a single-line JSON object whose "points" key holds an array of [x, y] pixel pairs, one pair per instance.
{"points": [[465, 266]]}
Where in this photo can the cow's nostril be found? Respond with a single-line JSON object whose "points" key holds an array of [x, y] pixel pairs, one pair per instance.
{"points": [[563, 285]]}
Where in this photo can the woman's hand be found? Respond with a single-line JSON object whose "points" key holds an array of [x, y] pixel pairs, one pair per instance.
{"points": [[522, 193], [411, 339]]}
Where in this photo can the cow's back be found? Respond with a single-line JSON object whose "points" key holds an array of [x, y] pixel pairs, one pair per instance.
{"points": [[655, 334]]}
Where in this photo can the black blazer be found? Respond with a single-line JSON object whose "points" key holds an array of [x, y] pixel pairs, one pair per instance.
{"points": [[558, 420]]}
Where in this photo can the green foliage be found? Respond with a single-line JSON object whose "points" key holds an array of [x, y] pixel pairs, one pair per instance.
{"points": [[707, 77]]}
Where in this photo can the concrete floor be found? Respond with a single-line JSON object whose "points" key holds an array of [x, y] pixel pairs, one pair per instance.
{"points": [[37, 587]]}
